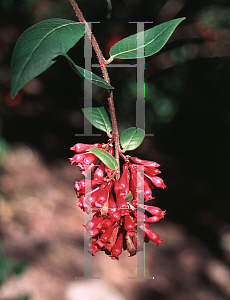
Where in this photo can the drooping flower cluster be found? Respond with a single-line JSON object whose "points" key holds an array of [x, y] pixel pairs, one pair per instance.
{"points": [[118, 211]]}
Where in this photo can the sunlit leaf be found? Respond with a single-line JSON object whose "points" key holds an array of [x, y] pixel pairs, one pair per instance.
{"points": [[105, 157], [131, 138], [151, 41], [87, 74], [38, 46], [97, 115]]}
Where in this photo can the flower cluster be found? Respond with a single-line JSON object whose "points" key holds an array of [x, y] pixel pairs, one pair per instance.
{"points": [[118, 212]]}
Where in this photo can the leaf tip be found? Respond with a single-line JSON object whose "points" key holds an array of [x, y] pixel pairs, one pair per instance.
{"points": [[13, 95]]}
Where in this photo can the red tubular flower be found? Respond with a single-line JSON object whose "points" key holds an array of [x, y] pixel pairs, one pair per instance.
{"points": [[92, 232], [153, 219], [105, 224], [99, 173], [86, 201], [103, 196], [80, 186], [152, 235], [84, 159], [129, 225], [157, 181], [117, 248], [133, 182], [115, 216], [93, 248], [112, 241], [139, 161], [147, 189], [122, 186], [112, 205], [105, 237], [80, 148], [93, 223], [154, 210], [122, 204], [151, 171], [137, 184], [114, 212]]}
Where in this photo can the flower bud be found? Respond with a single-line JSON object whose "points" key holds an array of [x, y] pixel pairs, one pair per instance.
{"points": [[154, 210], [105, 237], [103, 195], [150, 234], [122, 186], [139, 161], [94, 248], [79, 186], [157, 181], [153, 236], [112, 204], [115, 216], [122, 204], [105, 224], [153, 219], [110, 151], [129, 225], [99, 173], [151, 171], [83, 158], [92, 232], [86, 200], [147, 190], [117, 248], [136, 182], [80, 148], [93, 223], [112, 241]]}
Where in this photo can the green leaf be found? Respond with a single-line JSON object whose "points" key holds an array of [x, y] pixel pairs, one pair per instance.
{"points": [[151, 41], [131, 138], [87, 74], [97, 115], [129, 197], [105, 157], [38, 46]]}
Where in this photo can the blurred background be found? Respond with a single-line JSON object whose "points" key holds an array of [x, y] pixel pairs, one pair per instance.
{"points": [[187, 110]]}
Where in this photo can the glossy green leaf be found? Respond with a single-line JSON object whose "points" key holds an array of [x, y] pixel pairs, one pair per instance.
{"points": [[149, 41], [38, 46], [131, 138], [97, 115], [87, 74], [105, 157]]}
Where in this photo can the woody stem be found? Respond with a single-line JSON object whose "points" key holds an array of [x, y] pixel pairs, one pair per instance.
{"points": [[105, 74]]}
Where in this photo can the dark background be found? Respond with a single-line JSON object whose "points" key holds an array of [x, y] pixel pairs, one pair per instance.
{"points": [[187, 106]]}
